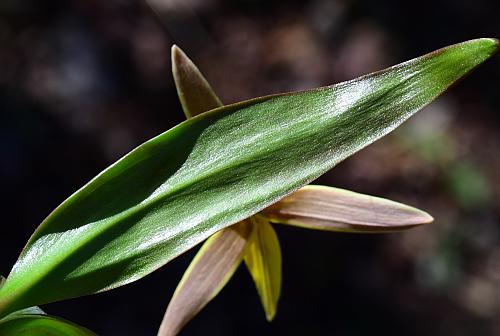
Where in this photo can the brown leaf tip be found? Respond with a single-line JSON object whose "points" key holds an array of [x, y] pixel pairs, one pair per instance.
{"points": [[177, 54]]}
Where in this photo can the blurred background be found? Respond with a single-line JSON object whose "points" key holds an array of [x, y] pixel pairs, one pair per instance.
{"points": [[84, 82]]}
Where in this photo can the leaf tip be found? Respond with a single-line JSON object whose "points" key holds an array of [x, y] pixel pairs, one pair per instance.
{"points": [[177, 54], [479, 50], [488, 45], [416, 217], [270, 314], [425, 218], [180, 60], [491, 41]]}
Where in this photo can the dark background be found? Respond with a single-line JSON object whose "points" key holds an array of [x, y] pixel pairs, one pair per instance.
{"points": [[83, 82]]}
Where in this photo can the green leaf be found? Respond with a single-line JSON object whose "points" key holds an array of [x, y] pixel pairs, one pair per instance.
{"points": [[29, 310], [35, 310], [208, 273], [193, 292], [263, 260], [333, 209], [214, 170], [221, 254], [31, 324], [34, 321]]}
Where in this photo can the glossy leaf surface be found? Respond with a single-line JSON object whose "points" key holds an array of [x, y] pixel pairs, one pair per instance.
{"points": [[197, 97], [215, 169], [35, 310], [222, 253], [334, 209]]}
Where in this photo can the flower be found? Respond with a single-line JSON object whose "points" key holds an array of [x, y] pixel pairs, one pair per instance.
{"points": [[254, 240]]}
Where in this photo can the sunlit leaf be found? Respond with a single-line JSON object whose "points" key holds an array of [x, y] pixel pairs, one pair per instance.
{"points": [[215, 169], [29, 310], [35, 310], [221, 254], [208, 273], [333, 209], [33, 325], [192, 86], [263, 259]]}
